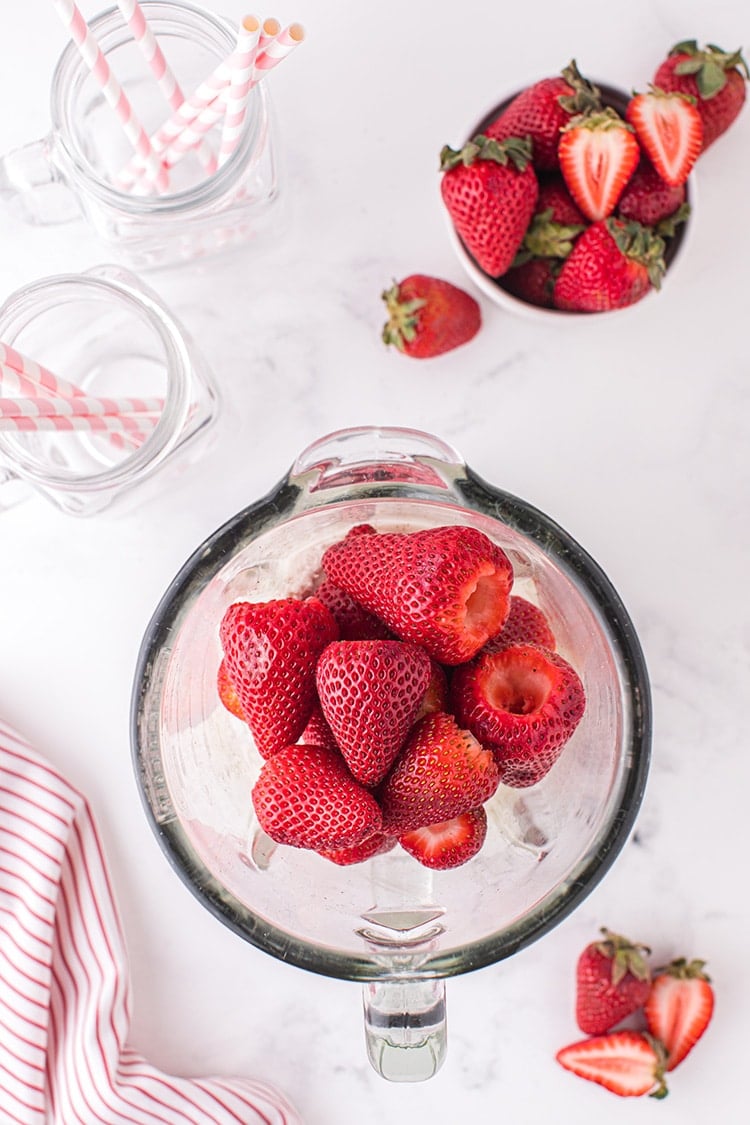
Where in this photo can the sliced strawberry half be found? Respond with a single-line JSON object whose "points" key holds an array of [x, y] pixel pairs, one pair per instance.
{"points": [[679, 1007], [626, 1062], [598, 155], [670, 130], [449, 843]]}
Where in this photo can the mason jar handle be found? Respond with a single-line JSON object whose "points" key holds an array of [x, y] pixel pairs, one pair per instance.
{"points": [[368, 455], [31, 184], [13, 490]]}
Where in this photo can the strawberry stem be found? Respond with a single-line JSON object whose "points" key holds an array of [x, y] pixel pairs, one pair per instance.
{"points": [[640, 243], [515, 150], [403, 317], [709, 65], [585, 95]]}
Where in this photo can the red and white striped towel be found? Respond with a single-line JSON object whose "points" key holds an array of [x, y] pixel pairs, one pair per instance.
{"points": [[64, 985]]}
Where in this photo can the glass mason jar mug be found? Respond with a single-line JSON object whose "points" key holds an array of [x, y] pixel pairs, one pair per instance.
{"points": [[390, 923], [75, 168]]}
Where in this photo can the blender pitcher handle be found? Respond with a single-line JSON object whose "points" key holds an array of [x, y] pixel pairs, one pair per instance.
{"points": [[370, 455], [13, 490], [31, 184], [405, 1027]]}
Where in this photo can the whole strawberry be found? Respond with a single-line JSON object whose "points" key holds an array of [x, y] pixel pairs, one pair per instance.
{"points": [[533, 281], [377, 844], [524, 625], [370, 693], [613, 980], [444, 588], [270, 652], [541, 111], [613, 264], [490, 189], [713, 77], [305, 797], [354, 622], [648, 199], [427, 316], [441, 773], [524, 703], [545, 246]]}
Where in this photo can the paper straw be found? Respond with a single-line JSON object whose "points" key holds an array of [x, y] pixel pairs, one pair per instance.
{"points": [[239, 89], [38, 406], [101, 423], [134, 16], [93, 57], [279, 47], [269, 30]]}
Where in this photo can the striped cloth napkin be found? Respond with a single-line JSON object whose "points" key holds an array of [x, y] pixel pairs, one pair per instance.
{"points": [[64, 985]]}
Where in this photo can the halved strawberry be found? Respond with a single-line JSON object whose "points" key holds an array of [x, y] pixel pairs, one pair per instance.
{"points": [[522, 701], [670, 130], [628, 1063], [598, 155], [679, 1007], [445, 588], [449, 843], [442, 772], [306, 797], [370, 693]]}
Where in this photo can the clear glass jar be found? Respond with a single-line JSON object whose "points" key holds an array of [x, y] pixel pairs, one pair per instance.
{"points": [[109, 334], [74, 168]]}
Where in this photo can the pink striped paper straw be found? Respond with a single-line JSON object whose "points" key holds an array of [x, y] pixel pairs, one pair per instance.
{"points": [[39, 406], [134, 16], [99, 423], [269, 30], [94, 59], [237, 95], [278, 48]]}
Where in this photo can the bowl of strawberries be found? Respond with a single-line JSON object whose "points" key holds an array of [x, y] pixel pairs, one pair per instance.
{"points": [[390, 724], [575, 197]]}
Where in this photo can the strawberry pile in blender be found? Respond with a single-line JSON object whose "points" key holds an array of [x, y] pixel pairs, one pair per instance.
{"points": [[391, 703]]}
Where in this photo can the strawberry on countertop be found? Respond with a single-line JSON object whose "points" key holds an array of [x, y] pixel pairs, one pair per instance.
{"points": [[613, 980], [715, 78], [627, 1063], [428, 317], [679, 1007], [489, 188], [598, 155]]}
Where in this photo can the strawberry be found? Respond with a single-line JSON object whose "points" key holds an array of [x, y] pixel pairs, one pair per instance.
{"points": [[534, 281], [670, 130], [227, 692], [598, 155], [370, 693], [306, 797], [490, 188], [555, 197], [679, 1007], [448, 843], [441, 773], [444, 588], [436, 696], [628, 1063], [537, 263], [377, 844], [522, 701], [353, 621], [647, 198], [713, 77], [613, 264], [427, 316], [613, 980], [271, 649], [526, 625], [540, 112], [317, 732]]}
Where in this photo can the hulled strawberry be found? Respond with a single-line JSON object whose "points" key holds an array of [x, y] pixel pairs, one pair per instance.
{"points": [[613, 980], [442, 772], [354, 622], [489, 188], [716, 79], [669, 130], [428, 317], [377, 844], [449, 843], [647, 199], [612, 265], [522, 701], [541, 111], [627, 1063], [679, 1007], [436, 696], [270, 650], [444, 588], [370, 693], [305, 797], [228, 692], [317, 732], [525, 624], [598, 155]]}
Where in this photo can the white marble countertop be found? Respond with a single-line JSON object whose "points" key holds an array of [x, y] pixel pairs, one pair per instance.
{"points": [[632, 433]]}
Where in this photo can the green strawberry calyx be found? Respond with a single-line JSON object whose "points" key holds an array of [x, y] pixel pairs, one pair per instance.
{"points": [[667, 227], [709, 65], [682, 969], [546, 238], [641, 244], [626, 956], [599, 120], [585, 97], [660, 1052], [403, 318], [512, 150]]}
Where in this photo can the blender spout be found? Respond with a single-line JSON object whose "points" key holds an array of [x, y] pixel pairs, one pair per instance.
{"points": [[405, 1027]]}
